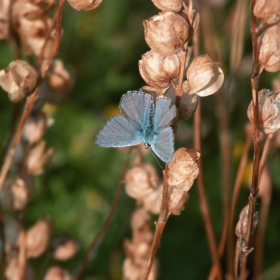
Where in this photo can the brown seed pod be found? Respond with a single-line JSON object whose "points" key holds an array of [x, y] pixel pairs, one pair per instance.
{"points": [[267, 10], [204, 77], [168, 5], [269, 115], [177, 200], [158, 70], [57, 273], [38, 159], [269, 55], [38, 237], [84, 5], [166, 33], [141, 181], [183, 169], [18, 79]]}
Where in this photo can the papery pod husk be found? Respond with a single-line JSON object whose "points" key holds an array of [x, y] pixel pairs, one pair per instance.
{"points": [[166, 33], [241, 226], [269, 115], [267, 10], [152, 202], [204, 76], [84, 5], [140, 181], [38, 237], [158, 70], [18, 79], [16, 193], [188, 102], [64, 247], [183, 169], [168, 5], [38, 158], [5, 19], [57, 273], [269, 54], [177, 200]]}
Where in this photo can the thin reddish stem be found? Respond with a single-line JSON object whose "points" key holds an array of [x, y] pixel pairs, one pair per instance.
{"points": [[256, 139]]}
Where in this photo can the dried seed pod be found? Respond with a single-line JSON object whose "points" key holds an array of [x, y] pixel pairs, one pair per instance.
{"points": [[183, 169], [64, 248], [168, 5], [84, 5], [188, 102], [166, 33], [152, 201], [16, 193], [18, 79], [57, 273], [139, 218], [177, 200], [133, 269], [4, 19], [37, 238], [35, 127], [38, 159], [269, 114], [269, 55], [34, 35], [140, 181], [241, 226], [204, 77], [158, 70], [267, 10]]}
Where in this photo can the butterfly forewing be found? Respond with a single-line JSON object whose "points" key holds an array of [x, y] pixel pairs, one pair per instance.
{"points": [[134, 106], [118, 132], [163, 144], [164, 114]]}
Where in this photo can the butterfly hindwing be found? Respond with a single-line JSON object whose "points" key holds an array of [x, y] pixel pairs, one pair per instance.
{"points": [[163, 144], [164, 114], [118, 132], [135, 106]]}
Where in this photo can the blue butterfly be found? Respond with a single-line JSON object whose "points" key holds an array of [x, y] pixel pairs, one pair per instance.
{"points": [[142, 120]]}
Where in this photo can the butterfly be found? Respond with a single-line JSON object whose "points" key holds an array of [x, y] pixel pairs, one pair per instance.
{"points": [[142, 120]]}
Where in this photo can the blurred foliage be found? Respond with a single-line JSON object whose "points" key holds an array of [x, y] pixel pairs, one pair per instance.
{"points": [[102, 49]]}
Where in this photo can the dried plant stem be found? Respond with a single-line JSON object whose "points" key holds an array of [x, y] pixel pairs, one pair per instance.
{"points": [[160, 224], [107, 221], [256, 139], [203, 202], [31, 101], [264, 210], [2, 237]]}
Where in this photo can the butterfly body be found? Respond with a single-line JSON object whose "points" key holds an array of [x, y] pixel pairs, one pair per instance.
{"points": [[141, 120]]}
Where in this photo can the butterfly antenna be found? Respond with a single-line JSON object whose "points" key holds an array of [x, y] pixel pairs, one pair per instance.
{"points": [[131, 154], [156, 158]]}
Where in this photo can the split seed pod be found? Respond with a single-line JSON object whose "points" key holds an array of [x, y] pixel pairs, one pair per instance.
{"points": [[166, 32], [157, 70], [267, 10], [269, 55], [168, 5], [204, 76], [18, 79], [84, 5], [269, 114], [183, 169]]}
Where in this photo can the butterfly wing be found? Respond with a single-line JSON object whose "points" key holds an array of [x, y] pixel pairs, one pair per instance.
{"points": [[163, 144], [135, 107], [164, 114], [118, 132]]}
